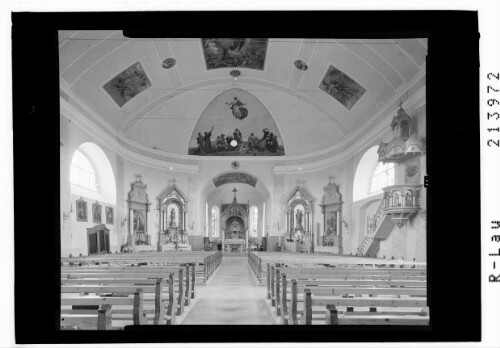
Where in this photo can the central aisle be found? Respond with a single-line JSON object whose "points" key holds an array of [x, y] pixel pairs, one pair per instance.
{"points": [[232, 297]]}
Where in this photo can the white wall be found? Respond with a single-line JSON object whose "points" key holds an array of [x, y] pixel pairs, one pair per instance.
{"points": [[271, 189]]}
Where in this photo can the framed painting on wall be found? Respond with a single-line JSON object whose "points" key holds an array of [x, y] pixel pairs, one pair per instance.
{"points": [[96, 212], [109, 216], [81, 210]]}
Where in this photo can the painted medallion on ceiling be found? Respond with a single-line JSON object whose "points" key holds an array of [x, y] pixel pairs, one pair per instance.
{"points": [[127, 84], [340, 86], [235, 53], [235, 123]]}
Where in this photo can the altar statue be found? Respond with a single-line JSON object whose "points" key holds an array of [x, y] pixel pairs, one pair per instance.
{"points": [[173, 224], [298, 219]]}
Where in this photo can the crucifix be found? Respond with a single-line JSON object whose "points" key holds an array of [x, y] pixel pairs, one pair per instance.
{"points": [[172, 181], [138, 177], [235, 190], [300, 182]]}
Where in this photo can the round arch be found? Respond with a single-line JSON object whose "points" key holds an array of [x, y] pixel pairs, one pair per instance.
{"points": [[364, 171], [104, 173]]}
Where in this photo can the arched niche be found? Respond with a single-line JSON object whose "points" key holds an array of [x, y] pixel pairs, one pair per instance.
{"points": [[172, 206], [299, 213]]}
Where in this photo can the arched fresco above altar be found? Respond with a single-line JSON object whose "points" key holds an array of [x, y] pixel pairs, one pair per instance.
{"points": [[231, 178], [235, 123]]}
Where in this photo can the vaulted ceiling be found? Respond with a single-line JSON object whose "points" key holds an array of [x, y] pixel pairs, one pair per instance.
{"points": [[163, 113]]}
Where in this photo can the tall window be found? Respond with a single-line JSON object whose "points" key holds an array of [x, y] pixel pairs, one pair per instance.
{"points": [[254, 217], [214, 226], [383, 176], [82, 172]]}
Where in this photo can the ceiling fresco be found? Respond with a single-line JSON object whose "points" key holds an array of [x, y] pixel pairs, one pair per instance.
{"points": [[313, 94], [127, 84], [231, 178], [235, 123], [341, 87], [235, 53]]}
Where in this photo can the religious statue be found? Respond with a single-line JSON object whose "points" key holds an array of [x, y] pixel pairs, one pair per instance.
{"points": [[172, 219], [298, 219], [332, 223]]}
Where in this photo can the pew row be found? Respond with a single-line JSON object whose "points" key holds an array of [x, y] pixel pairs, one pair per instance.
{"points": [[289, 300], [83, 311]]}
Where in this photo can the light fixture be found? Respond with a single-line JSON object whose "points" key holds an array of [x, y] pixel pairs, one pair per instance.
{"points": [[168, 63], [235, 73], [301, 65], [234, 143]]}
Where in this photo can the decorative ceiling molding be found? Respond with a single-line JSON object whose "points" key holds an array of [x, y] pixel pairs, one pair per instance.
{"points": [[134, 118], [94, 131]]}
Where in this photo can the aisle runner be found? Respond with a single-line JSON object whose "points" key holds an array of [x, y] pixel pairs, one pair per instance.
{"points": [[231, 298]]}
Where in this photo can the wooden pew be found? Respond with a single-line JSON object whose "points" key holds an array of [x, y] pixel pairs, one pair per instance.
{"points": [[206, 265], [177, 290], [158, 299], [82, 307], [384, 318], [363, 290], [332, 317], [100, 319], [331, 283], [338, 277]]}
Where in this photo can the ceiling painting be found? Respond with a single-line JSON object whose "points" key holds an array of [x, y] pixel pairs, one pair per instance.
{"points": [[126, 85], [235, 53], [340, 86]]}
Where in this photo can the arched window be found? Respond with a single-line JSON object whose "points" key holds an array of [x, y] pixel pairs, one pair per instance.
{"points": [[254, 218], [214, 225], [83, 173], [382, 176], [91, 174]]}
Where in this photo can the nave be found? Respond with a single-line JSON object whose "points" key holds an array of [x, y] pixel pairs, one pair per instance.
{"points": [[232, 297], [109, 292]]}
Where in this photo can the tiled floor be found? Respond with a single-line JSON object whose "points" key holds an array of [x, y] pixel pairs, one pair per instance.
{"points": [[231, 298]]}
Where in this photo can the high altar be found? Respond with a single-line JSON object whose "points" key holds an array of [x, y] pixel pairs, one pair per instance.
{"points": [[235, 222], [172, 209]]}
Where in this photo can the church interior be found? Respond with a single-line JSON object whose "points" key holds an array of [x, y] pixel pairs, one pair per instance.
{"points": [[251, 164]]}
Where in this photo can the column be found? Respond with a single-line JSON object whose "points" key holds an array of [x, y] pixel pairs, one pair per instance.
{"points": [[263, 219], [339, 229], [130, 238], [287, 231], [206, 219]]}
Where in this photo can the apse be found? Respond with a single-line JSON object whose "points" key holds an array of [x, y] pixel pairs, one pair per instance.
{"points": [[236, 123]]}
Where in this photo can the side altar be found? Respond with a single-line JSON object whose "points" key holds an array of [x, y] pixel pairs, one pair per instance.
{"points": [[235, 222], [172, 209]]}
